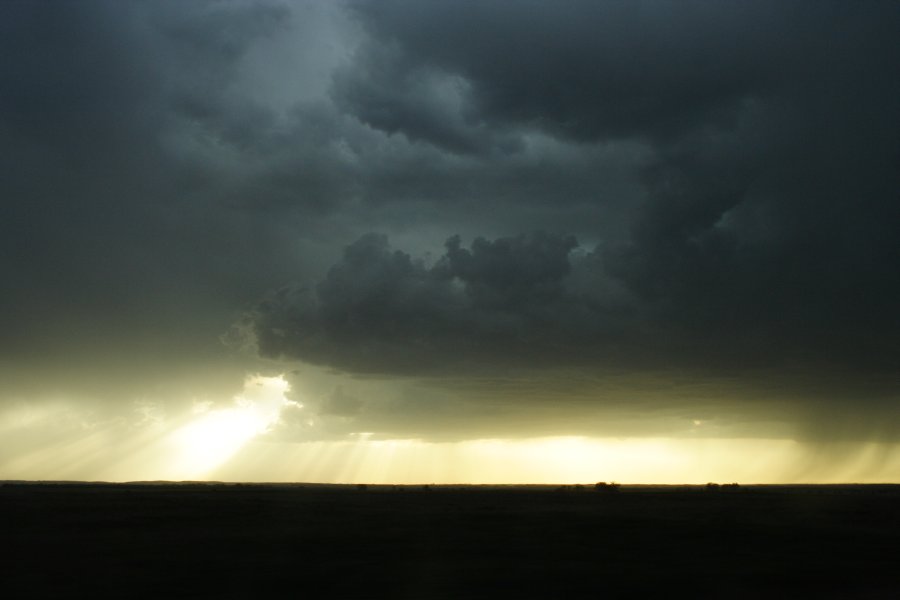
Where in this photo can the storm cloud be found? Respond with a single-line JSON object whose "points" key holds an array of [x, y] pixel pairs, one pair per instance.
{"points": [[507, 300], [645, 206], [768, 209]]}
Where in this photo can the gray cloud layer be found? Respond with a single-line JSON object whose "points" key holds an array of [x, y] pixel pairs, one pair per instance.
{"points": [[729, 172], [502, 301], [766, 226]]}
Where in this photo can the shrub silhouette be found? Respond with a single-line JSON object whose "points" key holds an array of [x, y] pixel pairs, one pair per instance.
{"points": [[602, 486], [725, 487]]}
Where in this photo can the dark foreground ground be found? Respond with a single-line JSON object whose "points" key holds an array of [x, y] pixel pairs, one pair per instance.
{"points": [[308, 541]]}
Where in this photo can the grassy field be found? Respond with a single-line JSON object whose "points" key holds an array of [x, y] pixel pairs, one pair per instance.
{"points": [[318, 541]]}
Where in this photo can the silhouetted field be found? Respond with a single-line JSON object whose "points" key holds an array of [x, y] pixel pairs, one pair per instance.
{"points": [[318, 541]]}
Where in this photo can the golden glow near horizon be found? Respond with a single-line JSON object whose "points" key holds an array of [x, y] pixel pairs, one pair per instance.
{"points": [[228, 443], [561, 460], [556, 460], [216, 435]]}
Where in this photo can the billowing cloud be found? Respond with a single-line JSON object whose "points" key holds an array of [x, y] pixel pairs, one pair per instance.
{"points": [[644, 210], [585, 71], [527, 299]]}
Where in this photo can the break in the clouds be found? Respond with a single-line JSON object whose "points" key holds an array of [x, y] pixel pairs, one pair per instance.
{"points": [[471, 216]]}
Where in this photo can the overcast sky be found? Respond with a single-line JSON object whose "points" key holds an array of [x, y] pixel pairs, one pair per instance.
{"points": [[451, 221]]}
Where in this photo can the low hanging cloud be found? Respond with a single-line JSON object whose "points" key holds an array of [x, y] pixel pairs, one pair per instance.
{"points": [[729, 172], [541, 301], [509, 301], [764, 229]]}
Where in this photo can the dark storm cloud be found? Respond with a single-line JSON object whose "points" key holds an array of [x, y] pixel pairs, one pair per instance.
{"points": [[729, 169], [769, 209], [378, 309], [387, 94], [110, 239], [761, 239], [583, 70]]}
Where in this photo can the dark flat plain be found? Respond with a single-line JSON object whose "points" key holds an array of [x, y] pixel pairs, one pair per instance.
{"points": [[187, 540]]}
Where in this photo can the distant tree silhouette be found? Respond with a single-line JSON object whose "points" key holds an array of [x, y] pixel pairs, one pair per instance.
{"points": [[602, 486], [725, 487]]}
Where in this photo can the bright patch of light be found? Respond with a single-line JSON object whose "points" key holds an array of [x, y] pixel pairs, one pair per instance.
{"points": [[216, 435], [549, 460], [57, 441]]}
